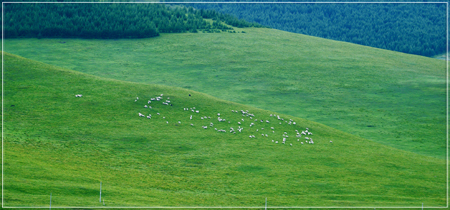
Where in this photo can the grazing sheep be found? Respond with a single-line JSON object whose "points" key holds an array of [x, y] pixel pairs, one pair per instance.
{"points": [[205, 127], [267, 121], [149, 107], [272, 128], [272, 140], [211, 124], [273, 131], [262, 134], [215, 128], [306, 138], [161, 95], [291, 144], [262, 128], [157, 113], [293, 123], [179, 122], [218, 114], [164, 117], [280, 123], [167, 122], [149, 102], [79, 95], [201, 118], [137, 98], [239, 123], [190, 117], [271, 115], [145, 106], [298, 139], [331, 141], [256, 130], [276, 142], [192, 124], [242, 119], [267, 135], [140, 115], [149, 117], [197, 111], [302, 142]]}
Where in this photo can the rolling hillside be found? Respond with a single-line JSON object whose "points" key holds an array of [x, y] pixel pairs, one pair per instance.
{"points": [[388, 97], [57, 143]]}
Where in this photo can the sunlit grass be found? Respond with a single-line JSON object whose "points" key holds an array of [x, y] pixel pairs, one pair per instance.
{"points": [[57, 143]]}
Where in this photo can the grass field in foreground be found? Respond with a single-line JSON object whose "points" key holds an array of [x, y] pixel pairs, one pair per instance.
{"points": [[57, 143], [388, 97]]}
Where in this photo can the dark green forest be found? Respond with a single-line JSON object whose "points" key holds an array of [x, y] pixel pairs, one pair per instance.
{"points": [[410, 28], [108, 21]]}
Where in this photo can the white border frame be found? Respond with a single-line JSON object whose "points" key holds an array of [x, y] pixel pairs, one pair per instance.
{"points": [[447, 99]]}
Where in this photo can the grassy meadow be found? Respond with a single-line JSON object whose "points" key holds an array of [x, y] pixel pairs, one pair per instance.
{"points": [[388, 97], [57, 143]]}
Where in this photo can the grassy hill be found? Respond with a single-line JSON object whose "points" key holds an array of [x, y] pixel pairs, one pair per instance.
{"points": [[57, 143], [388, 97]]}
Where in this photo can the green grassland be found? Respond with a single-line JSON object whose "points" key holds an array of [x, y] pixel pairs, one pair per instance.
{"points": [[57, 143], [388, 97]]}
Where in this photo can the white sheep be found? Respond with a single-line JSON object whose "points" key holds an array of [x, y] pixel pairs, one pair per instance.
{"points": [[291, 144], [276, 142], [197, 111], [192, 124], [137, 98], [218, 114], [190, 117], [272, 140], [331, 141], [149, 102], [302, 142]]}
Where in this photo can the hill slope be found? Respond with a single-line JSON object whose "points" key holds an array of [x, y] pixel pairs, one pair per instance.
{"points": [[388, 97], [65, 145]]}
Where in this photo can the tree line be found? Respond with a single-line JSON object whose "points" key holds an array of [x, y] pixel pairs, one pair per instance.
{"points": [[110, 20]]}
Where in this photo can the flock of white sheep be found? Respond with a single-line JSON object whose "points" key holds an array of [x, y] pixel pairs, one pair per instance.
{"points": [[248, 120]]}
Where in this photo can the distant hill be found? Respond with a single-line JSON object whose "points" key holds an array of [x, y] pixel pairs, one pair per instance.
{"points": [[110, 21], [410, 28], [389, 97]]}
